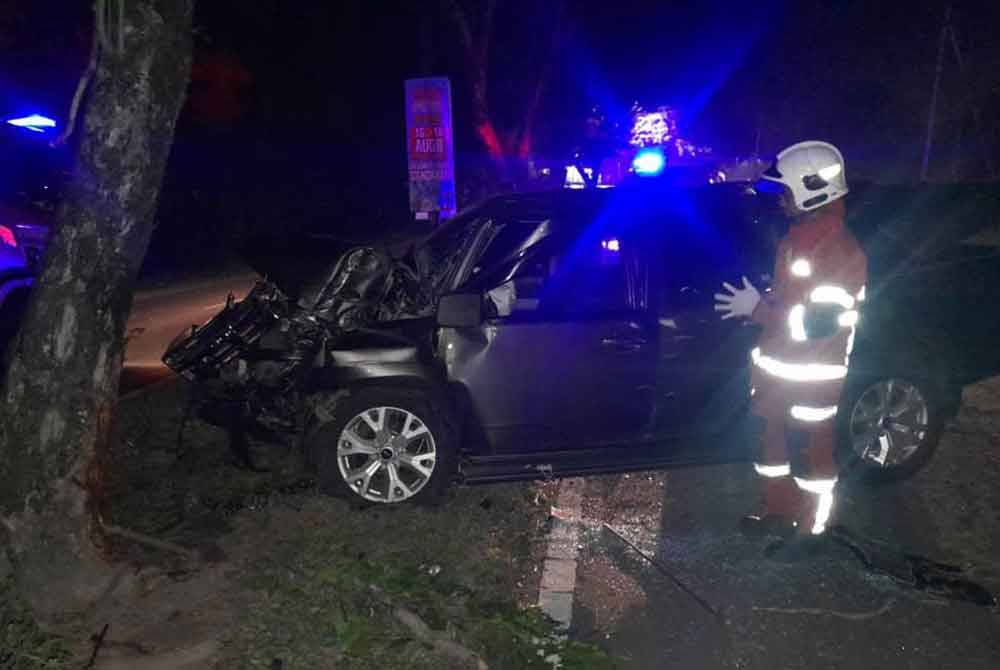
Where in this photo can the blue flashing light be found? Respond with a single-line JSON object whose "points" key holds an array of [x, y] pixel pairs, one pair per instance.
{"points": [[649, 162], [611, 245], [35, 122]]}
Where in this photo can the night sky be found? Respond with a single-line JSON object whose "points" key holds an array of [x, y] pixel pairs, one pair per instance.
{"points": [[853, 72], [326, 78]]}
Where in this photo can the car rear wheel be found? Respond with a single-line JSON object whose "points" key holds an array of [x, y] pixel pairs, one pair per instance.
{"points": [[889, 426], [384, 446]]}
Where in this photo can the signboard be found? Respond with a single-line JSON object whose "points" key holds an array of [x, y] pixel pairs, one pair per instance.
{"points": [[429, 147]]}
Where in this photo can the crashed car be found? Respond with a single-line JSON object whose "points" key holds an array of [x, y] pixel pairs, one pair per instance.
{"points": [[535, 335]]}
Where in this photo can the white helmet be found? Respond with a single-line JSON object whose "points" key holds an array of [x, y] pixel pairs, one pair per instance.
{"points": [[813, 171]]}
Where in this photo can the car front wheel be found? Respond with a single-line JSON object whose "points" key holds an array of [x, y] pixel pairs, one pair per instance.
{"points": [[889, 426], [384, 446]]}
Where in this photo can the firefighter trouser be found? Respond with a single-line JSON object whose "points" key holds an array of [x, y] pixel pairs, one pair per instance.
{"points": [[796, 460]]}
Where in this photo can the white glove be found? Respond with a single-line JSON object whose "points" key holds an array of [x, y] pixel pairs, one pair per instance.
{"points": [[739, 301]]}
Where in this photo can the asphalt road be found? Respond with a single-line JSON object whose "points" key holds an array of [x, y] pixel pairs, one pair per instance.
{"points": [[160, 314], [828, 611]]}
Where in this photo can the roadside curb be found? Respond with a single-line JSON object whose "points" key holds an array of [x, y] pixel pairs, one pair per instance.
{"points": [[555, 593]]}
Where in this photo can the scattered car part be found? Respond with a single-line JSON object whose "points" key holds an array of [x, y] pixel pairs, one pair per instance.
{"points": [[917, 572]]}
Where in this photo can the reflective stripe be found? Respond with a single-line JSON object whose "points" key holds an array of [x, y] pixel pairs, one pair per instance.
{"points": [[812, 414], [824, 489], [797, 323], [848, 319], [861, 294], [798, 372], [833, 295], [780, 470], [801, 268], [818, 486], [850, 347]]}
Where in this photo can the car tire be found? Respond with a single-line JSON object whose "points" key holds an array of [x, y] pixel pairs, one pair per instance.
{"points": [[888, 426], [368, 466]]}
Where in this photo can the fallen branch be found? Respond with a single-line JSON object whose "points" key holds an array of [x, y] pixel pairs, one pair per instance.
{"points": [[420, 630], [98, 642], [147, 540], [818, 611], [447, 647]]}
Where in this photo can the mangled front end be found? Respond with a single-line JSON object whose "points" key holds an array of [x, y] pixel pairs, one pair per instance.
{"points": [[251, 363]]}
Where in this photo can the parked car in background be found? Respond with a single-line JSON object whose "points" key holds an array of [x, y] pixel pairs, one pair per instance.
{"points": [[31, 178], [16, 278], [545, 334]]}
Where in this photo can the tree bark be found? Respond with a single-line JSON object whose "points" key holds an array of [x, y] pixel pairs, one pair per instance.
{"points": [[61, 389]]}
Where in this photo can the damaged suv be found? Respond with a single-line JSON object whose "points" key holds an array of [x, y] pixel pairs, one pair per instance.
{"points": [[538, 335], [535, 335]]}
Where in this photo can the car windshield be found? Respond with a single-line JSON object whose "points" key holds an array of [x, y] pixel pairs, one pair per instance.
{"points": [[440, 255]]}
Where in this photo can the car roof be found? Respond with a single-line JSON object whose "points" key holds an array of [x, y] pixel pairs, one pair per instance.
{"points": [[590, 202]]}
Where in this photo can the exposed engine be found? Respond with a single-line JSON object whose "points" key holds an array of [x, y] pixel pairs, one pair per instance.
{"points": [[250, 360]]}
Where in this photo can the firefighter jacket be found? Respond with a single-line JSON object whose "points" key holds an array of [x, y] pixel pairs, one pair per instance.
{"points": [[809, 315]]}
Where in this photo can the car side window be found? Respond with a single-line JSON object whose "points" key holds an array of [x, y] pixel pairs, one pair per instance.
{"points": [[579, 280]]}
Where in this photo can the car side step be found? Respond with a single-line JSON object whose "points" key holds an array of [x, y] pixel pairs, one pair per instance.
{"points": [[482, 470]]}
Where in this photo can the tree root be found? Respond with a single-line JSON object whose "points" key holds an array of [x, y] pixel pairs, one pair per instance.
{"points": [[818, 611], [149, 541], [420, 630]]}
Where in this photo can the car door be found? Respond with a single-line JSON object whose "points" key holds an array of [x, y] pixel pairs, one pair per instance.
{"points": [[564, 359], [703, 364]]}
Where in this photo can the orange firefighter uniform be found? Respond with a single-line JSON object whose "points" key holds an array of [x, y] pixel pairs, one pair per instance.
{"points": [[808, 319]]}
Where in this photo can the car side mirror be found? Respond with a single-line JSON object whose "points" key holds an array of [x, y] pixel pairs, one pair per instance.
{"points": [[460, 310]]}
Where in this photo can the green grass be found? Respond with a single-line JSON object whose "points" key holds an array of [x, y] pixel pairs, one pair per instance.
{"points": [[325, 593], [22, 645], [322, 578]]}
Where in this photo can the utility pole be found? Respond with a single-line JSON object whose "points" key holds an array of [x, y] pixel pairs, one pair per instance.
{"points": [[939, 68], [977, 118]]}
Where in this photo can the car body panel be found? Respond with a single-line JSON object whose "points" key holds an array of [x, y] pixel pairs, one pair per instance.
{"points": [[555, 384]]}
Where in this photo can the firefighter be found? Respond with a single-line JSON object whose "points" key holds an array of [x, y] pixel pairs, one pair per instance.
{"points": [[808, 322]]}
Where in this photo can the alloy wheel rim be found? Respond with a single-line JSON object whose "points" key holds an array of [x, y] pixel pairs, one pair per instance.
{"points": [[386, 454], [889, 423]]}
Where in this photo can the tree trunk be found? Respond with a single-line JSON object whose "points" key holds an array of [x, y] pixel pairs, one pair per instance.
{"points": [[61, 388]]}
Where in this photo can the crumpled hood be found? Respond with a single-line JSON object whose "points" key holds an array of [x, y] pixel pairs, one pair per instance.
{"points": [[366, 285]]}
